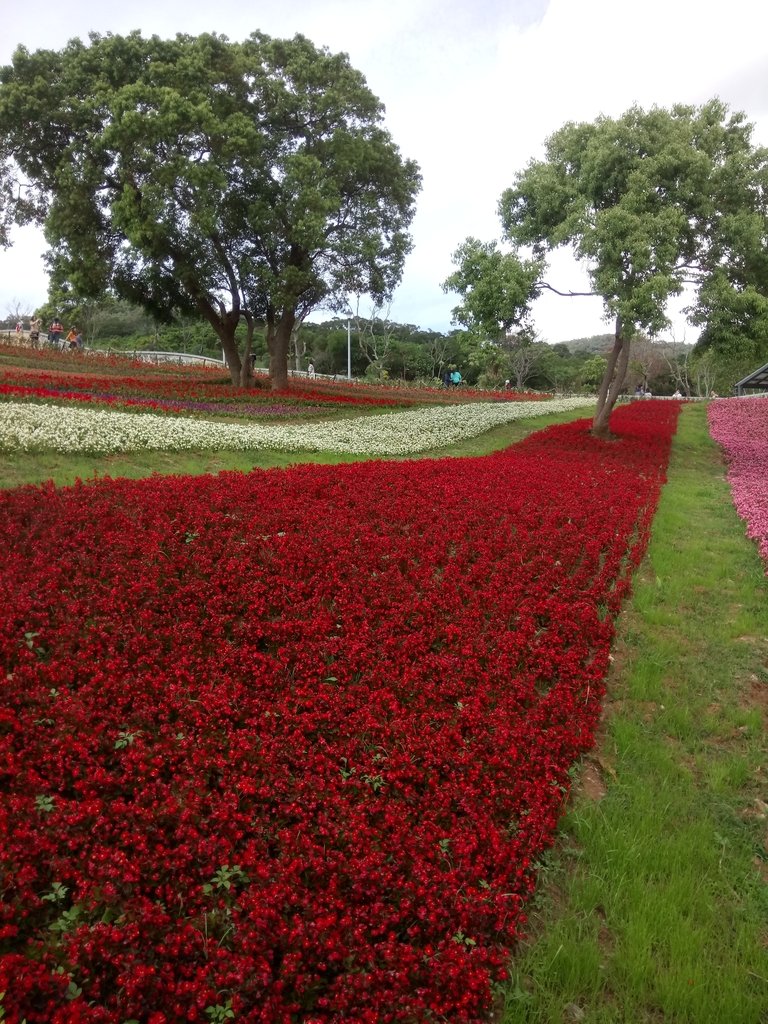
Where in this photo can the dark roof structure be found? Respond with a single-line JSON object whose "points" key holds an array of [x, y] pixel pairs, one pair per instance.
{"points": [[757, 380]]}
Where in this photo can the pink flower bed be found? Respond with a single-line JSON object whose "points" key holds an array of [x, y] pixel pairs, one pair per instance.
{"points": [[740, 426], [285, 747]]}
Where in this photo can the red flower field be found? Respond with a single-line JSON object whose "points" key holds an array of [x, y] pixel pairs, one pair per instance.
{"points": [[286, 746], [202, 384], [157, 388]]}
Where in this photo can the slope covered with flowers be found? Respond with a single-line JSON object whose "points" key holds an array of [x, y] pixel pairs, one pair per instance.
{"points": [[284, 747], [740, 426], [194, 388], [179, 390], [28, 427]]}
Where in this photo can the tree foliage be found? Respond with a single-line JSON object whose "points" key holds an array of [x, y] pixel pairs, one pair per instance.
{"points": [[650, 202], [734, 337], [496, 288], [245, 181]]}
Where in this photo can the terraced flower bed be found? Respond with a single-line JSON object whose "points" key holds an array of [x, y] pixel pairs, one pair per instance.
{"points": [[32, 427], [286, 746], [197, 389]]}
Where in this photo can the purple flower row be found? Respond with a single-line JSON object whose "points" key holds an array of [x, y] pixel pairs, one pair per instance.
{"points": [[219, 409]]}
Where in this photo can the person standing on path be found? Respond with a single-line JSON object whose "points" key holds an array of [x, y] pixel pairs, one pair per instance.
{"points": [[55, 332], [34, 331]]}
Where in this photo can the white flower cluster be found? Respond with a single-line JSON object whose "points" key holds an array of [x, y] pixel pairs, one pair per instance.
{"points": [[28, 427]]}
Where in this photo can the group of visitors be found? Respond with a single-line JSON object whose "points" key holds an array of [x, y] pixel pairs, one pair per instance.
{"points": [[645, 392], [451, 378], [56, 336]]}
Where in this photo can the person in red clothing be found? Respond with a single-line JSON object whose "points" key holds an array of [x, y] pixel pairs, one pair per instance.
{"points": [[55, 332]]}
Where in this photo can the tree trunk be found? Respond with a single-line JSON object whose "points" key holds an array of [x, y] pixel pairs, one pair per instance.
{"points": [[246, 370], [612, 382], [278, 343], [226, 334]]}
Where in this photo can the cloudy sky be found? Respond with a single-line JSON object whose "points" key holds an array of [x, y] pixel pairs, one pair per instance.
{"points": [[471, 88]]}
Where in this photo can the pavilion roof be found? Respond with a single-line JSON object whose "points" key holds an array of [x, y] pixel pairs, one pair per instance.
{"points": [[756, 379]]}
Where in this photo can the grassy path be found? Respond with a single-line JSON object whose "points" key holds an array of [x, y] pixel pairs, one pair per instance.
{"points": [[654, 907], [64, 469]]}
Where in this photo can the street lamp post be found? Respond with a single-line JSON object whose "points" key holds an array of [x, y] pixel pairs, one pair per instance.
{"points": [[349, 351]]}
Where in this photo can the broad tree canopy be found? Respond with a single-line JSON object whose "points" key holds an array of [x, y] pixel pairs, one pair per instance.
{"points": [[244, 181], [650, 202]]}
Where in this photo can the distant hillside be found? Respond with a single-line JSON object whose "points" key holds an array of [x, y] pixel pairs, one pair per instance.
{"points": [[600, 343], [594, 343]]}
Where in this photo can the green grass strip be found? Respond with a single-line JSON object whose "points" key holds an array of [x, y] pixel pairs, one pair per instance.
{"points": [[654, 906], [19, 468]]}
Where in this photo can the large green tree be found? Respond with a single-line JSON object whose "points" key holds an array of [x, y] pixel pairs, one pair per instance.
{"points": [[248, 181], [649, 202]]}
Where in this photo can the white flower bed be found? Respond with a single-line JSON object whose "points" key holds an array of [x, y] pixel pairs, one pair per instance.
{"points": [[28, 427]]}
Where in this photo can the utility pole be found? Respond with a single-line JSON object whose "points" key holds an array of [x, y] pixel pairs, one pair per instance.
{"points": [[349, 351]]}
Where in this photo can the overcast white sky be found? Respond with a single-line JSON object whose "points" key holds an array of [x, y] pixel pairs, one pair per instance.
{"points": [[471, 88]]}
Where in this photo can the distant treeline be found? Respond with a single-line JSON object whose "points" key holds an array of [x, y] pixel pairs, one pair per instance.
{"points": [[381, 349]]}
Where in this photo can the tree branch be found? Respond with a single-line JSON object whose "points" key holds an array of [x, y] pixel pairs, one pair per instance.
{"points": [[567, 295], [228, 270]]}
